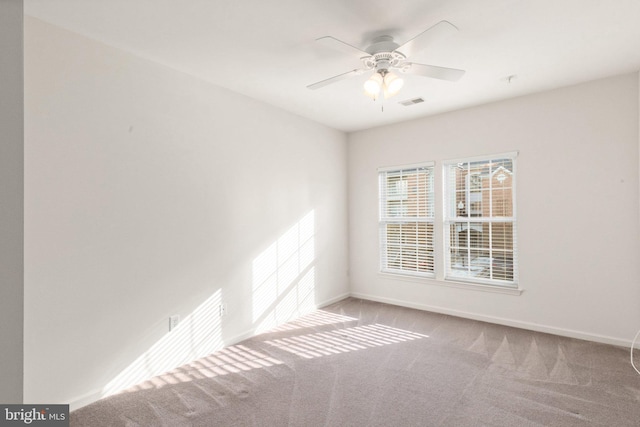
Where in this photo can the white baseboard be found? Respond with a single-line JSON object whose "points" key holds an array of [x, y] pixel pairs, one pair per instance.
{"points": [[499, 320], [85, 399], [254, 331], [333, 300]]}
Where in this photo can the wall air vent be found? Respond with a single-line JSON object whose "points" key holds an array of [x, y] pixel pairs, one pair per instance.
{"points": [[413, 101]]}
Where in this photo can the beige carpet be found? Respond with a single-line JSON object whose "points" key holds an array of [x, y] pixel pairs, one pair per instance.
{"points": [[360, 363]]}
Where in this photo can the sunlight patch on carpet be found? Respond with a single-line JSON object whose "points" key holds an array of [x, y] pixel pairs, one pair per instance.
{"points": [[315, 319], [229, 360], [345, 340]]}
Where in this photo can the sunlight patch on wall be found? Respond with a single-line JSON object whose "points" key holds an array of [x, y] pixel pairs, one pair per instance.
{"points": [[339, 341], [198, 335], [230, 360], [283, 282]]}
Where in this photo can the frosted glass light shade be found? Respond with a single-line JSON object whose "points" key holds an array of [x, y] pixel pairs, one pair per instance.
{"points": [[373, 85], [392, 84]]}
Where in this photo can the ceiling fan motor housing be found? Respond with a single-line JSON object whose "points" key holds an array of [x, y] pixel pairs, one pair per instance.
{"points": [[383, 61], [382, 44]]}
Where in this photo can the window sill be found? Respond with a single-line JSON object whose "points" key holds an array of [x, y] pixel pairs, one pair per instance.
{"points": [[454, 284]]}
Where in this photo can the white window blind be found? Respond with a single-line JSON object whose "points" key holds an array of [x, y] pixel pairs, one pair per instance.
{"points": [[480, 220], [406, 220]]}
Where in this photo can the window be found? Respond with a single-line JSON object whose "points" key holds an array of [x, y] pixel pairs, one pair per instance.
{"points": [[480, 220], [406, 220]]}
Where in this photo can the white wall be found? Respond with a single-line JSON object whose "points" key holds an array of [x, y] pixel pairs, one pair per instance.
{"points": [[150, 193], [11, 201], [577, 201]]}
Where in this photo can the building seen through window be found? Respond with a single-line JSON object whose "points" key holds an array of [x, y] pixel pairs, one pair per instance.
{"points": [[480, 220]]}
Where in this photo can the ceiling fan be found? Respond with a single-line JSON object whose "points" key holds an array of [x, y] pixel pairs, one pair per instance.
{"points": [[384, 55]]}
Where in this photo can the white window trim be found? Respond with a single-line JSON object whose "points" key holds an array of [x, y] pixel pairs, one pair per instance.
{"points": [[471, 282], [508, 154], [409, 166], [405, 273], [508, 290]]}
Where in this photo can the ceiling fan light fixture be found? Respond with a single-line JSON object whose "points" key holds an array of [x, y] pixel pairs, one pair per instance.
{"points": [[373, 85], [392, 84]]}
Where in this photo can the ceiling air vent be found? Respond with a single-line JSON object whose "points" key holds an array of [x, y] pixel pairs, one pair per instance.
{"points": [[413, 101]]}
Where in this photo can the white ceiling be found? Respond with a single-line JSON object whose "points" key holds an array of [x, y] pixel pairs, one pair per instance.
{"points": [[266, 49]]}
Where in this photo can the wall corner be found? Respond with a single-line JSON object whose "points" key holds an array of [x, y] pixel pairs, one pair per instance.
{"points": [[12, 201]]}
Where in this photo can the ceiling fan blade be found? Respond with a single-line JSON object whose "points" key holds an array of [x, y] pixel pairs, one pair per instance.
{"points": [[344, 47], [420, 42], [435, 72], [334, 79]]}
